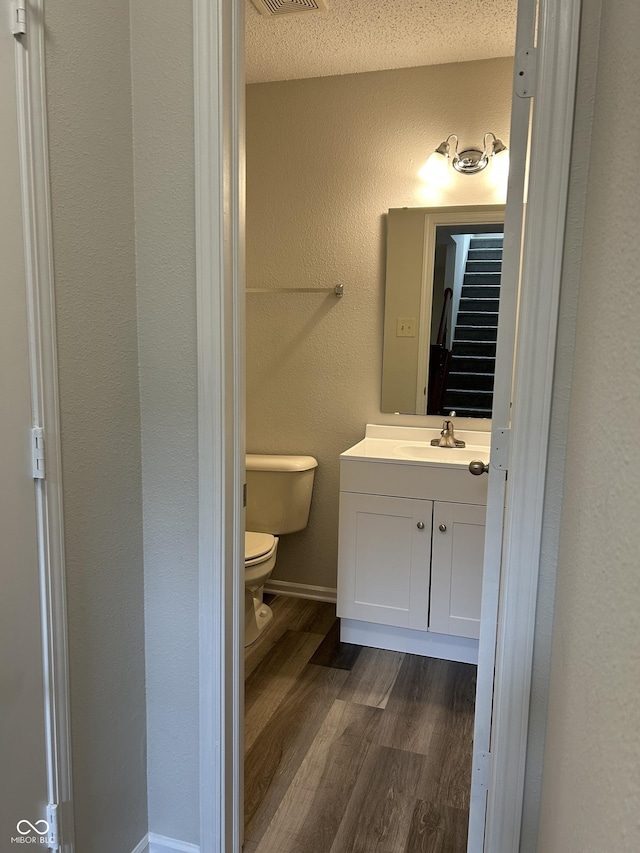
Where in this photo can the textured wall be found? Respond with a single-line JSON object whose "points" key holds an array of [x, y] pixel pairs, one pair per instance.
{"points": [[326, 158], [161, 33], [89, 87], [591, 787]]}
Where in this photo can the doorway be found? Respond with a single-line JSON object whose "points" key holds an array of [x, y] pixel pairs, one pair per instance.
{"points": [[327, 158], [531, 332]]}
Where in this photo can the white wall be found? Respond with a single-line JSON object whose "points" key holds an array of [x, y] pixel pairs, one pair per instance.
{"points": [[326, 158], [591, 787], [161, 33], [89, 88]]}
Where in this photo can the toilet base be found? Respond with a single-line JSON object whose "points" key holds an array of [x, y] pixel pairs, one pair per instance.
{"points": [[257, 616]]}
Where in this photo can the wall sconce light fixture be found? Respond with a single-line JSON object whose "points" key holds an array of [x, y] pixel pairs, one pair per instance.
{"points": [[471, 160]]}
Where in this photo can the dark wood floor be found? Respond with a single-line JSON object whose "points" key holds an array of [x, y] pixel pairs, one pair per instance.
{"points": [[351, 749]]}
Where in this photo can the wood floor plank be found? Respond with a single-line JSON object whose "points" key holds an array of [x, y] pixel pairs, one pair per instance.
{"points": [[417, 705], [331, 652], [437, 829], [464, 696], [372, 677], [272, 679], [301, 614], [260, 648], [274, 759], [312, 809], [453, 740], [293, 614], [378, 817], [372, 759]]}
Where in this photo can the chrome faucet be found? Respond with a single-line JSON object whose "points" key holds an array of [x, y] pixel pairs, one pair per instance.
{"points": [[447, 437]]}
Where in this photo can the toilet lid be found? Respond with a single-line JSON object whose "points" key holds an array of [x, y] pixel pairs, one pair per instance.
{"points": [[257, 544]]}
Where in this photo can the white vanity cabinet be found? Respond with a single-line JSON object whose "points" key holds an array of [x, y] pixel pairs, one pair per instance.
{"points": [[410, 557], [385, 550], [456, 569]]}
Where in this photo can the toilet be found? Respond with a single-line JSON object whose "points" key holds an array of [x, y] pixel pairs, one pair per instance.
{"points": [[278, 502]]}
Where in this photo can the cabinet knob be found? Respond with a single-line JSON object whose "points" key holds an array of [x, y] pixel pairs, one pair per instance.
{"points": [[477, 467], [442, 528], [420, 525]]}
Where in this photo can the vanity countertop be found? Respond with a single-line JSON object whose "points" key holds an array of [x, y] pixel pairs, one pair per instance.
{"points": [[412, 446]]}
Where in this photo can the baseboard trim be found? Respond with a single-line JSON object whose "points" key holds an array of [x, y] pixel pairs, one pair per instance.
{"points": [[154, 843], [408, 640], [162, 844], [142, 846], [302, 590]]}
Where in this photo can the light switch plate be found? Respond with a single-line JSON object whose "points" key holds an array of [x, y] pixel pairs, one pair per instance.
{"points": [[406, 327]]}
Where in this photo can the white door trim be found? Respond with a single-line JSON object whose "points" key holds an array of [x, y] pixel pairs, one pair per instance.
{"points": [[501, 420], [219, 215], [552, 134], [36, 206], [219, 178]]}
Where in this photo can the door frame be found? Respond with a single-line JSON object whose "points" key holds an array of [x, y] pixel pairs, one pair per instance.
{"points": [[473, 214], [506, 643], [219, 101], [218, 32], [39, 274]]}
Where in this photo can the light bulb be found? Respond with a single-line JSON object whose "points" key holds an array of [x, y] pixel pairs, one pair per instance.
{"points": [[435, 171], [499, 171]]}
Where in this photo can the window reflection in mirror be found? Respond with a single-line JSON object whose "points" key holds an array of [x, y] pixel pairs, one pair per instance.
{"points": [[441, 310]]}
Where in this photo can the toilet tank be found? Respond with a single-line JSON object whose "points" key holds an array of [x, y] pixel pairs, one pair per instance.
{"points": [[279, 492]]}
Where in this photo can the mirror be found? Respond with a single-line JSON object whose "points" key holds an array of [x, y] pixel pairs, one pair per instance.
{"points": [[442, 294]]}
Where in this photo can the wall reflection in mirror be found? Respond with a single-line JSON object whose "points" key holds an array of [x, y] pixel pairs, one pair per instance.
{"points": [[442, 295]]}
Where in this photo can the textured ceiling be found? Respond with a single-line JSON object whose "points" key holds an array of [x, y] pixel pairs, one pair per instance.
{"points": [[371, 35]]}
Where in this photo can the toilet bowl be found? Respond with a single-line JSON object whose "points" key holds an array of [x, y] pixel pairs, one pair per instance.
{"points": [[278, 502], [259, 559]]}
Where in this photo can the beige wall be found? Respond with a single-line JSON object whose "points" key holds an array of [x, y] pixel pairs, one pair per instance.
{"points": [[326, 158], [591, 785], [91, 147]]}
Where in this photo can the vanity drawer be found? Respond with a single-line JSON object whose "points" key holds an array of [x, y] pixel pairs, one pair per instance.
{"points": [[425, 482]]}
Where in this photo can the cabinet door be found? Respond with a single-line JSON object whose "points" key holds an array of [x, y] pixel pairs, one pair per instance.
{"points": [[456, 568], [383, 560]]}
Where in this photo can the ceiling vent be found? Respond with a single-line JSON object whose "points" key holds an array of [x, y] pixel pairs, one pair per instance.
{"points": [[270, 8]]}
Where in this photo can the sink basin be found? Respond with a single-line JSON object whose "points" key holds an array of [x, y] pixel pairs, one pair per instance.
{"points": [[427, 453], [412, 446]]}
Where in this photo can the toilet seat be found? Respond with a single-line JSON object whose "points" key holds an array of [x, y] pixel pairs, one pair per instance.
{"points": [[260, 558], [258, 547]]}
